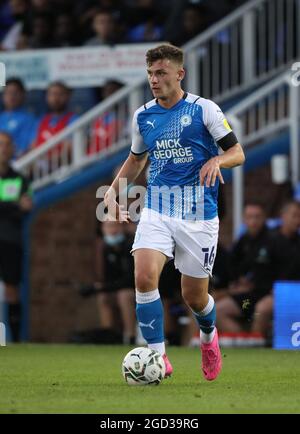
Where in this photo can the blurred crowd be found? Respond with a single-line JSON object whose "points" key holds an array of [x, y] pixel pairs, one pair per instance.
{"points": [[36, 24], [30, 130]]}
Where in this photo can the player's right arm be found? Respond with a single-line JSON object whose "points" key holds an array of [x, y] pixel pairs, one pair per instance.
{"points": [[130, 170]]}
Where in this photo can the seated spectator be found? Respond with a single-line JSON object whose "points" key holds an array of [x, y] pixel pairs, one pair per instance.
{"points": [[15, 15], [66, 32], [105, 28], [41, 6], [252, 273], [286, 254], [220, 279], [14, 119], [58, 118], [6, 18], [87, 9], [191, 20], [15, 201], [286, 241], [40, 32], [115, 283], [105, 129], [145, 22]]}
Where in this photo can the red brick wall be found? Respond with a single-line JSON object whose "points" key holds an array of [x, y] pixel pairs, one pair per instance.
{"points": [[61, 258]]}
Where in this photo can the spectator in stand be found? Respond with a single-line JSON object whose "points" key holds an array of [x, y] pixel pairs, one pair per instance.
{"points": [[15, 201], [6, 18], [286, 241], [115, 283], [286, 250], [40, 33], [252, 273], [105, 129], [58, 117], [15, 16], [185, 23], [87, 9], [220, 279], [66, 32], [105, 28], [286, 253], [41, 7], [145, 22], [14, 119]]}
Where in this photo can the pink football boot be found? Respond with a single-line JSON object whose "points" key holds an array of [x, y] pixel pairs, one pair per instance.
{"points": [[211, 358], [169, 368]]}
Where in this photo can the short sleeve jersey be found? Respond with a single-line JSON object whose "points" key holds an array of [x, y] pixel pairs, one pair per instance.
{"points": [[180, 140]]}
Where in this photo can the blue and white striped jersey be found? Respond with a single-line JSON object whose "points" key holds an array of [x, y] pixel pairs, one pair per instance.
{"points": [[179, 141]]}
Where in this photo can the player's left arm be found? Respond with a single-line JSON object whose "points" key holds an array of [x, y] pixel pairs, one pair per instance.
{"points": [[225, 138]]}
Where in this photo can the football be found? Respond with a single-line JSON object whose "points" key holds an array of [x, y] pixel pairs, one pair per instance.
{"points": [[143, 366]]}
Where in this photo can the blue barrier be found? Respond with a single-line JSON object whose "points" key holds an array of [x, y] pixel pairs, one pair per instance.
{"points": [[286, 316]]}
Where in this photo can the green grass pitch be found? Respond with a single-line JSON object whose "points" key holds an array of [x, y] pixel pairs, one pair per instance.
{"points": [[87, 379]]}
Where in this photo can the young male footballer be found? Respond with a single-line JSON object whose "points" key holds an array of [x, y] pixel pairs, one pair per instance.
{"points": [[180, 133]]}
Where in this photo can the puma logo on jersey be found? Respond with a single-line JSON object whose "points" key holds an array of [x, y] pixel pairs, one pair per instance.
{"points": [[150, 326], [151, 123]]}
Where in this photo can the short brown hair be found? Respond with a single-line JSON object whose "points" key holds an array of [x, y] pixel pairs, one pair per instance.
{"points": [[165, 51], [60, 84]]}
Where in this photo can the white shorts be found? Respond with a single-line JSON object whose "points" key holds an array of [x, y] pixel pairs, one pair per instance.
{"points": [[192, 243]]}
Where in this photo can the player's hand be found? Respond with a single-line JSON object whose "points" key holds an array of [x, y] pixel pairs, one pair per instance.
{"points": [[210, 171], [115, 211]]}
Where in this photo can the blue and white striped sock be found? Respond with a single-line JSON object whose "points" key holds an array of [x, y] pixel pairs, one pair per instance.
{"points": [[150, 315], [207, 320]]}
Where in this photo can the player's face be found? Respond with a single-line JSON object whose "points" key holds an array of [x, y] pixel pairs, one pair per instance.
{"points": [[254, 219], [164, 77]]}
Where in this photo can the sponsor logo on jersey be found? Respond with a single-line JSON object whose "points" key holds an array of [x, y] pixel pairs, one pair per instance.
{"points": [[186, 120], [172, 148]]}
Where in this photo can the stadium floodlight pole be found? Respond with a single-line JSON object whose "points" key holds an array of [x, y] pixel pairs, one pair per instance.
{"points": [[294, 132], [237, 180]]}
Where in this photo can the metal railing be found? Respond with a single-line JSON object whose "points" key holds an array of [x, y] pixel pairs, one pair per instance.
{"points": [[270, 110], [255, 42], [102, 131], [226, 59]]}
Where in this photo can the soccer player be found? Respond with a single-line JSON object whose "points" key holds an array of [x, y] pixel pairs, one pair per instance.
{"points": [[180, 132]]}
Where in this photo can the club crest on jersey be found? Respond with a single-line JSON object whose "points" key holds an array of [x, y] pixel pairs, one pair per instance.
{"points": [[186, 120]]}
